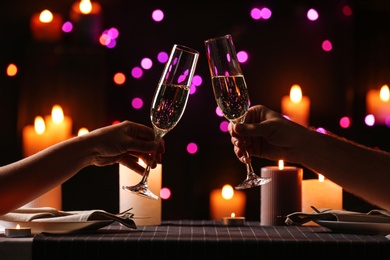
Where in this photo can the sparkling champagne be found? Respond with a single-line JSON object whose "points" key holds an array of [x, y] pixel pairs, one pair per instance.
{"points": [[232, 97], [168, 106]]}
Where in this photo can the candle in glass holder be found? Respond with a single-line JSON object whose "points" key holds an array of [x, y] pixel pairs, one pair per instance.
{"points": [[281, 196], [296, 107], [46, 26]]}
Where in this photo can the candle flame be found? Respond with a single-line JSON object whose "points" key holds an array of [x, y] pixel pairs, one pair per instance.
{"points": [[85, 6], [57, 115], [296, 93], [82, 131], [384, 93], [321, 178], [46, 16], [227, 192], [233, 215], [281, 164], [17, 226], [39, 125]]}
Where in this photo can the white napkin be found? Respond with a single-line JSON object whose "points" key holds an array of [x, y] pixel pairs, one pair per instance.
{"points": [[374, 216], [48, 214]]}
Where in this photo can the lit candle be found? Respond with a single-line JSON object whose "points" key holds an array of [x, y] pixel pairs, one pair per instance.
{"points": [[59, 126], [378, 104], [296, 107], [33, 137], [321, 193], [225, 201], [233, 220], [17, 232], [281, 196], [146, 212], [87, 19], [46, 26]]}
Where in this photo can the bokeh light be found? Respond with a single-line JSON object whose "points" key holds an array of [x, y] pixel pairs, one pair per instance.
{"points": [[387, 121], [223, 126], [321, 130], [192, 89], [312, 14], [347, 11], [266, 13], [162, 57], [242, 56], [197, 80], [119, 78], [165, 193], [192, 148], [67, 27], [12, 70], [137, 103], [146, 63], [136, 72], [345, 122], [82, 131], [256, 13], [157, 15], [327, 45], [218, 111], [369, 120]]}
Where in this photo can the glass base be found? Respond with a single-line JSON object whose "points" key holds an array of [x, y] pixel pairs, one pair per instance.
{"points": [[141, 190], [252, 181]]}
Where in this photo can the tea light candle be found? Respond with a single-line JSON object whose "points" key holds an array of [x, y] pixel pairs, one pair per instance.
{"points": [[233, 220], [225, 201], [17, 232], [282, 196], [296, 107], [46, 26]]}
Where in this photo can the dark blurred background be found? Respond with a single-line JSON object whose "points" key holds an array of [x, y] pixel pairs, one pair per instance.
{"points": [[283, 50]]}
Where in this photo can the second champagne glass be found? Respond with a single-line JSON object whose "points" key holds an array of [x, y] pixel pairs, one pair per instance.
{"points": [[169, 102], [230, 91]]}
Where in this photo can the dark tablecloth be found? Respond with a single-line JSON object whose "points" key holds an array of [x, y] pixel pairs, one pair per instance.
{"points": [[210, 240]]}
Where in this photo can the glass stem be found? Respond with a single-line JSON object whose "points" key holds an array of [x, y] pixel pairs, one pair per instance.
{"points": [[249, 168], [145, 175]]}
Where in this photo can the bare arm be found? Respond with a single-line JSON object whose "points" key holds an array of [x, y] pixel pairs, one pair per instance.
{"points": [[24, 180], [358, 169]]}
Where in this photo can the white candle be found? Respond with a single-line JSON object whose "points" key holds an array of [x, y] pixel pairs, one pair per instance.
{"points": [[296, 107], [321, 193], [225, 201], [282, 195], [378, 104], [146, 212]]}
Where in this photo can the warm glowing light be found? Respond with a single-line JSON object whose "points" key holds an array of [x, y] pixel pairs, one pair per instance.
{"points": [[384, 93], [39, 125], [192, 148], [281, 164], [17, 226], [57, 114], [119, 78], [82, 131], [321, 178], [227, 192], [12, 70], [233, 215], [296, 94], [85, 6], [46, 16]]}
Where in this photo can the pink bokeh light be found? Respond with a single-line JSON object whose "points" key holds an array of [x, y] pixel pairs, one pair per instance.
{"points": [[137, 103], [146, 63], [157, 15], [165, 193], [192, 148], [136, 72], [242, 56], [327, 45], [223, 126], [345, 122], [67, 27], [162, 57], [369, 120], [312, 14]]}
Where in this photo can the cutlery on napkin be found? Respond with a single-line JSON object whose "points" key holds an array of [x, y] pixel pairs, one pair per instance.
{"points": [[373, 216], [48, 214]]}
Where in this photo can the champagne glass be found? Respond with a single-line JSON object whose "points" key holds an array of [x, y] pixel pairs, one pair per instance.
{"points": [[230, 92], [169, 102]]}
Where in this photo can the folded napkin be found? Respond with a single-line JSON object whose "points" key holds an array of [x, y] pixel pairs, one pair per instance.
{"points": [[374, 216], [48, 214]]}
